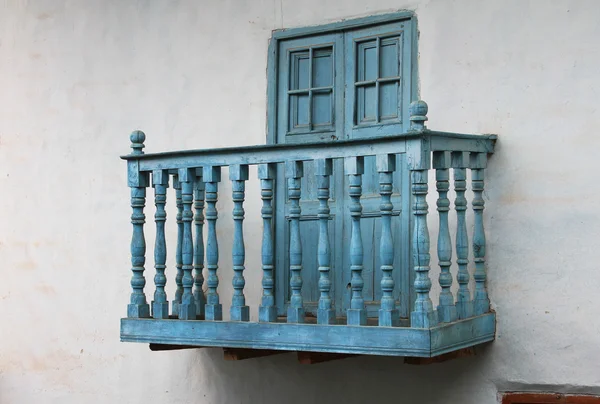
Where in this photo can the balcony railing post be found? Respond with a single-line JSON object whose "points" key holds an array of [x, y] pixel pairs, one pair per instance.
{"points": [[325, 312], [481, 300], [267, 311], [446, 308], [238, 174], [160, 304], [178, 249], [138, 181], [294, 173], [464, 305], [187, 308], [419, 158], [199, 244], [357, 313], [213, 310], [389, 315]]}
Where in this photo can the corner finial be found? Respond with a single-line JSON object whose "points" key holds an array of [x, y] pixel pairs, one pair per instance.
{"points": [[418, 114], [137, 139]]}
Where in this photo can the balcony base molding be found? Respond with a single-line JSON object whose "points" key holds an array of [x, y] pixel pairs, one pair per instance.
{"points": [[344, 339]]}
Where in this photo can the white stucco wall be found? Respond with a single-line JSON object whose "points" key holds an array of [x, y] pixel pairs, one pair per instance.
{"points": [[77, 76]]}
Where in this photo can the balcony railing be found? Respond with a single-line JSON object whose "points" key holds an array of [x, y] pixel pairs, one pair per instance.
{"points": [[195, 316]]}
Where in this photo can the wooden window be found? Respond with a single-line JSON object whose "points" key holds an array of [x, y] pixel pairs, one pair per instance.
{"points": [[548, 398], [377, 80], [346, 80]]}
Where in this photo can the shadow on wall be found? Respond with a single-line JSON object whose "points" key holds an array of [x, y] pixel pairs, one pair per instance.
{"points": [[361, 379]]}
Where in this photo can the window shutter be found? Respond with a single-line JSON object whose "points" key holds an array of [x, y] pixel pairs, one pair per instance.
{"points": [[310, 94], [378, 79]]}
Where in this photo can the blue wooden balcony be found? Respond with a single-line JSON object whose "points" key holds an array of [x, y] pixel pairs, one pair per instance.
{"points": [[399, 318]]}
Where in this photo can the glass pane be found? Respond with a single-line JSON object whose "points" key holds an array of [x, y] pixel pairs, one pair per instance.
{"points": [[388, 100], [388, 55], [321, 113], [322, 68], [366, 104], [298, 111], [367, 61], [299, 70]]}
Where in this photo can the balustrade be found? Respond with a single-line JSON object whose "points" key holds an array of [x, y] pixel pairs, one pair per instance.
{"points": [[196, 175]]}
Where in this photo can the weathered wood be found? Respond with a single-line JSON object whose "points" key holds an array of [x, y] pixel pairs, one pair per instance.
{"points": [[548, 398], [357, 313], [160, 304], [267, 312], [325, 312], [238, 174], [461, 353], [389, 315], [239, 354], [187, 307], [138, 306], [311, 358], [213, 310], [294, 172], [178, 249], [481, 301], [281, 153], [446, 308], [431, 332], [464, 305], [422, 315], [199, 297], [375, 340], [170, 347]]}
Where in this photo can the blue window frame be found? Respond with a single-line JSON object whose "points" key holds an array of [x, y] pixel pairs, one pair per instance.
{"points": [[350, 79]]}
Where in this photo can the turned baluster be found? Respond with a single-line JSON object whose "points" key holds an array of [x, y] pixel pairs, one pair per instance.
{"points": [[187, 307], [199, 244], [446, 308], [213, 310], [325, 312], [464, 305], [481, 301], [138, 181], [160, 304], [294, 173], [423, 315], [389, 316], [267, 311], [357, 313], [178, 249], [238, 174]]}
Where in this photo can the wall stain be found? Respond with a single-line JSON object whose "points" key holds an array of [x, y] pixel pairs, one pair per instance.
{"points": [[27, 265]]}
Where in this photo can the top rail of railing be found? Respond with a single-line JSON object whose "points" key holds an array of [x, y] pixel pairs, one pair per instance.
{"points": [[418, 142], [430, 139]]}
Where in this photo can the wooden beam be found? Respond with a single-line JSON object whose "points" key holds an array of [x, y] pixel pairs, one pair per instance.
{"points": [[169, 347], [238, 354], [461, 353], [311, 358]]}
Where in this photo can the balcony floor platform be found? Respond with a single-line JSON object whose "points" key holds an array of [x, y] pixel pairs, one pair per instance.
{"points": [[366, 340]]}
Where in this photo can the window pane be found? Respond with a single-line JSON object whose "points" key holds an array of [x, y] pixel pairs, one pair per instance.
{"points": [[367, 61], [299, 70], [388, 54], [321, 113], [388, 100], [298, 111], [366, 104], [322, 68]]}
